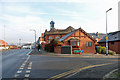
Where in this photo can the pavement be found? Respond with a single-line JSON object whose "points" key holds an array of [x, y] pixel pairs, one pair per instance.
{"points": [[85, 55], [18, 64]]}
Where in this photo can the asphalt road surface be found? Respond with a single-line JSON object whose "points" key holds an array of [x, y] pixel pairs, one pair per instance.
{"points": [[18, 64], [12, 60]]}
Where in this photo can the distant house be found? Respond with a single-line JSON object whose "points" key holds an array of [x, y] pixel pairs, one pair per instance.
{"points": [[3, 44], [27, 46], [113, 41], [13, 47], [97, 36]]}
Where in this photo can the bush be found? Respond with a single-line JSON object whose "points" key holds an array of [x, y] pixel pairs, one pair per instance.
{"points": [[103, 50], [111, 52], [53, 43], [99, 49]]}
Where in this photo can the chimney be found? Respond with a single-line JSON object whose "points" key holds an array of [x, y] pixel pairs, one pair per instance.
{"points": [[97, 34], [42, 34]]}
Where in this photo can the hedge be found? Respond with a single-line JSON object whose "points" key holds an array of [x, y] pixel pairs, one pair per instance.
{"points": [[102, 50]]}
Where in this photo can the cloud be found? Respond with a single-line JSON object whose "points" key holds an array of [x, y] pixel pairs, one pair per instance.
{"points": [[21, 9], [45, 0], [89, 14]]}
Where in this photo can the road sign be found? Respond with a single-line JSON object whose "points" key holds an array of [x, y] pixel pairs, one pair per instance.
{"points": [[78, 51], [106, 37]]}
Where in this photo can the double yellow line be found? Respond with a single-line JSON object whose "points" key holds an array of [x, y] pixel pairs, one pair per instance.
{"points": [[75, 70]]}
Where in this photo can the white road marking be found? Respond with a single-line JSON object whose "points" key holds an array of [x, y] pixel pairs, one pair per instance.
{"points": [[108, 74], [19, 71], [29, 68], [29, 52], [28, 71], [25, 61], [23, 64], [21, 68], [27, 75], [25, 79], [30, 64], [16, 75]]}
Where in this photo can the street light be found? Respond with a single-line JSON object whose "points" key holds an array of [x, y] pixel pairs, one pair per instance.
{"points": [[20, 43], [106, 33], [35, 35]]}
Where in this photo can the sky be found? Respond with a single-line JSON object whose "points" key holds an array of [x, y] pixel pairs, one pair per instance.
{"points": [[17, 17]]}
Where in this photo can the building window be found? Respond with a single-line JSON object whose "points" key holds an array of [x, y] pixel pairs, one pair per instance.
{"points": [[112, 43], [50, 37], [77, 43], [72, 43], [88, 44], [57, 37]]}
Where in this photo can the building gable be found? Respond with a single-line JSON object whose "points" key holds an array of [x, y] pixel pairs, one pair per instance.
{"points": [[78, 33]]}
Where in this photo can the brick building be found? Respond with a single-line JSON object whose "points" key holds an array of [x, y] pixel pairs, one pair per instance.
{"points": [[80, 38], [56, 33], [3, 43], [113, 41], [71, 36]]}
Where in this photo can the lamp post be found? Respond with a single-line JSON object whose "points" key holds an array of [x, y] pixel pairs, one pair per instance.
{"points": [[106, 32], [20, 43], [35, 36]]}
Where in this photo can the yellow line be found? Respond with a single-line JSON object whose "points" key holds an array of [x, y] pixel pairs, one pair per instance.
{"points": [[73, 71]]}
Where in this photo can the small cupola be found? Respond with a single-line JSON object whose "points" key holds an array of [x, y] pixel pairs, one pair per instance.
{"points": [[52, 24]]}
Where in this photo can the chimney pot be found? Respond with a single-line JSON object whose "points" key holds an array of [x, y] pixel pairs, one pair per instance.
{"points": [[97, 34]]}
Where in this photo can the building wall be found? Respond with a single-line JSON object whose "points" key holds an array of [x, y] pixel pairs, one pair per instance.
{"points": [[42, 46], [83, 40], [53, 36], [114, 47]]}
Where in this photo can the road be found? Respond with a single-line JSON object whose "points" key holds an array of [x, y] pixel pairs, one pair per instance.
{"points": [[17, 64], [11, 61]]}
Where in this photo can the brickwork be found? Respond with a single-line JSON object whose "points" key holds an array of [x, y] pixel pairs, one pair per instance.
{"points": [[57, 49], [114, 46], [83, 40]]}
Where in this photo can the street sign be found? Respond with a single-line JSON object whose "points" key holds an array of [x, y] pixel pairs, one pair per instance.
{"points": [[106, 37], [78, 51]]}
